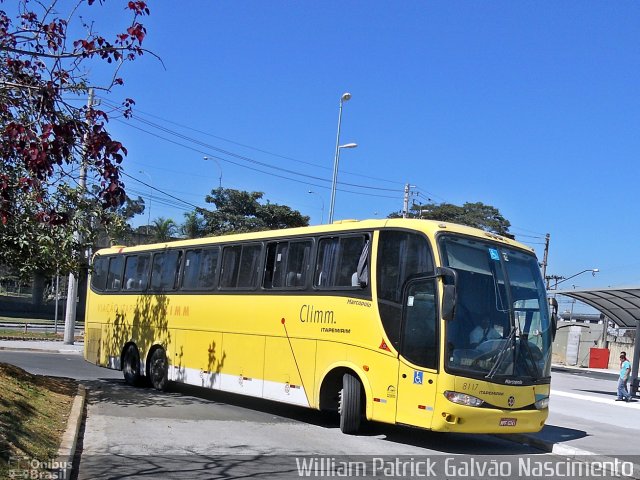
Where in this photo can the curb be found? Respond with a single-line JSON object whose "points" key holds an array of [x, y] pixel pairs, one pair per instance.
{"points": [[566, 451], [67, 450]]}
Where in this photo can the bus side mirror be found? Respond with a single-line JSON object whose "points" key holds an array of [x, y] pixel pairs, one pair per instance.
{"points": [[448, 302], [553, 306], [449, 294]]}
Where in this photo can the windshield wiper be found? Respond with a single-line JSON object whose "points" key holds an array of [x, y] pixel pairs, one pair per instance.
{"points": [[536, 370], [510, 341]]}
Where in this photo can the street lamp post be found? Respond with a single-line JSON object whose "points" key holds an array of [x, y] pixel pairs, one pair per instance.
{"points": [[559, 278], [217, 163], [322, 200], [345, 97], [150, 197]]}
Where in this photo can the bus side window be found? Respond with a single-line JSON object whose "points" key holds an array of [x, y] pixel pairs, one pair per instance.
{"points": [[164, 272], [327, 253], [287, 264], [297, 264], [114, 277], [230, 264], [350, 251], [136, 271], [100, 273], [240, 266], [208, 269], [337, 261], [269, 266], [192, 259], [248, 272], [279, 262]]}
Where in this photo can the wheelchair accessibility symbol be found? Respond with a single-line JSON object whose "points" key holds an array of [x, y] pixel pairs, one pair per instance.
{"points": [[417, 377]]}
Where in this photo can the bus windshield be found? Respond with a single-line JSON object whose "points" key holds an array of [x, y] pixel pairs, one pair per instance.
{"points": [[501, 330]]}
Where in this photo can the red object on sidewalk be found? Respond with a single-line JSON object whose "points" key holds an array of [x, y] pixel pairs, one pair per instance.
{"points": [[598, 358]]}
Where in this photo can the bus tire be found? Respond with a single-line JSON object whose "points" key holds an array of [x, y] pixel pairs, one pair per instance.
{"points": [[158, 369], [131, 366], [350, 406]]}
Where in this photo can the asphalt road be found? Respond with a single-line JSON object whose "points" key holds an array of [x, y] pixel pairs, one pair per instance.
{"points": [[138, 432], [193, 433]]}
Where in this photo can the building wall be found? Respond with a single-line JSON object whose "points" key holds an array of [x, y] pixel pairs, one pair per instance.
{"points": [[591, 336]]}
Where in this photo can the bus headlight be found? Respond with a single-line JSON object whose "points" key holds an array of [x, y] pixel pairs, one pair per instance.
{"points": [[463, 399], [542, 403]]}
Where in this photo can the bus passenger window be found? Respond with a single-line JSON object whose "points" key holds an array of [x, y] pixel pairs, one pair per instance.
{"points": [[337, 261], [208, 269], [114, 277], [287, 264], [165, 270], [279, 263], [297, 264], [248, 272], [240, 266], [192, 259], [136, 271], [269, 266], [230, 263], [99, 273], [200, 269]]}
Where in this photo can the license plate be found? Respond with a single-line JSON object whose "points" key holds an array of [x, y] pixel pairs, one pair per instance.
{"points": [[508, 422]]}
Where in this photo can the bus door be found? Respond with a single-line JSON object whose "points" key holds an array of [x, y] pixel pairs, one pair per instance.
{"points": [[418, 360]]}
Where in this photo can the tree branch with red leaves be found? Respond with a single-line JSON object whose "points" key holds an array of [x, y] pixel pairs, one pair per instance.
{"points": [[41, 132]]}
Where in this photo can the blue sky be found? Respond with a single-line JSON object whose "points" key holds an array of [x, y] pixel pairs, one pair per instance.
{"points": [[531, 107]]}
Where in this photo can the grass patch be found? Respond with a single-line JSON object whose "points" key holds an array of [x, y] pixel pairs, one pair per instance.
{"points": [[32, 321], [33, 415], [18, 334]]}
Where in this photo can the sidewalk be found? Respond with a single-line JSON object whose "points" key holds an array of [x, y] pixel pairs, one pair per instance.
{"points": [[52, 346], [556, 367]]}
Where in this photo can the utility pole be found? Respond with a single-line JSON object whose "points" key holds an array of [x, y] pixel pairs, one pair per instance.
{"points": [[545, 258], [557, 279], [405, 202], [72, 290]]}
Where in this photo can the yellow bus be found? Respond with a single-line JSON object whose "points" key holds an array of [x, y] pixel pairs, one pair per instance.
{"points": [[402, 321]]}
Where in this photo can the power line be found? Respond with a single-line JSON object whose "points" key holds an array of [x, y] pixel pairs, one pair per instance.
{"points": [[158, 190], [248, 159], [324, 167], [203, 152], [420, 194]]}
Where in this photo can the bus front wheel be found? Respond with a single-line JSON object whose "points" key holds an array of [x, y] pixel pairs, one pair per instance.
{"points": [[158, 369], [131, 366], [350, 406]]}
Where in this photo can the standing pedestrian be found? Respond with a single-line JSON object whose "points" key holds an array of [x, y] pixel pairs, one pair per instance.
{"points": [[625, 369]]}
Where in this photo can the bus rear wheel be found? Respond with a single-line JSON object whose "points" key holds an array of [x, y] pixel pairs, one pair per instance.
{"points": [[159, 369], [131, 366], [350, 406]]}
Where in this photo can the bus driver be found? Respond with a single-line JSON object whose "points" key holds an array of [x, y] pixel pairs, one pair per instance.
{"points": [[483, 332]]}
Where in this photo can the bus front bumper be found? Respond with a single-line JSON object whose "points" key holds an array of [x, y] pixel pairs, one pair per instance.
{"points": [[465, 419]]}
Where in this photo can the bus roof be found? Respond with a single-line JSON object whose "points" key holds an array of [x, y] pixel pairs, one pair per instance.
{"points": [[427, 226]]}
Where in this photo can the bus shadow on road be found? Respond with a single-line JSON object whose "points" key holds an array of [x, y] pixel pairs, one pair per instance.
{"points": [[557, 434], [203, 402], [449, 443], [608, 393], [115, 392]]}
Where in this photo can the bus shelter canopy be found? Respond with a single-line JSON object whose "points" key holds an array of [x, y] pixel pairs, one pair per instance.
{"points": [[621, 305]]}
